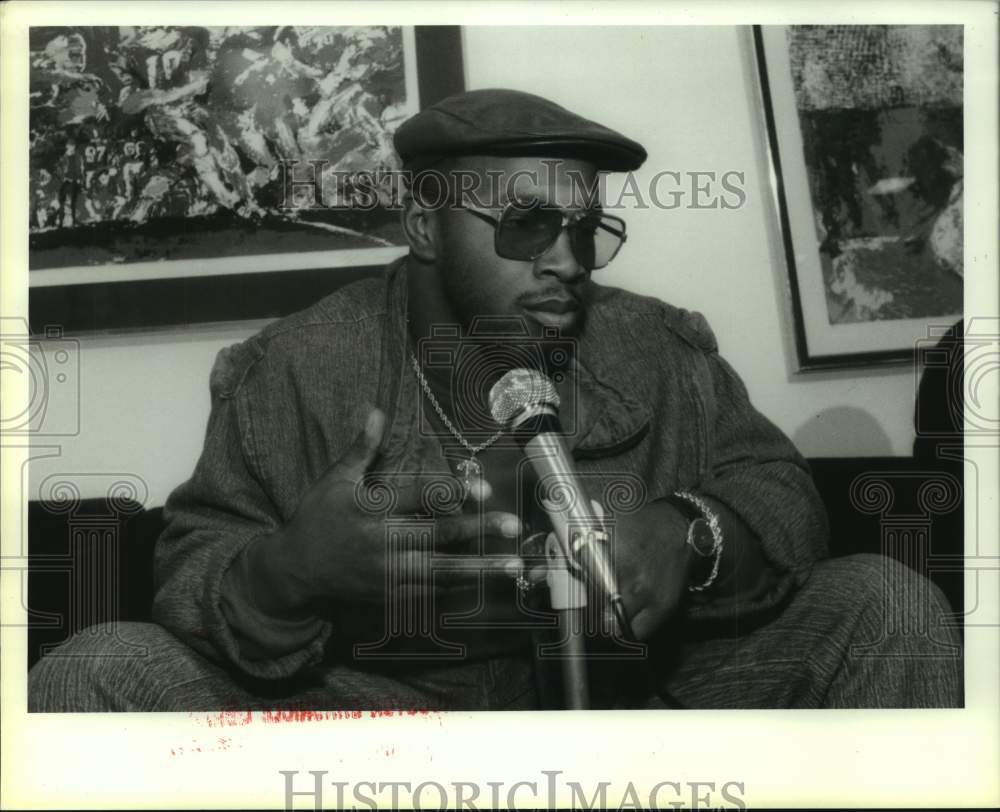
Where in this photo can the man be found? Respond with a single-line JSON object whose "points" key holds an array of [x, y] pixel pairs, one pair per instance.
{"points": [[102, 197], [71, 173], [355, 533]]}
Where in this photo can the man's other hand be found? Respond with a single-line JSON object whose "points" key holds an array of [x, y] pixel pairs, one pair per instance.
{"points": [[333, 548], [653, 564]]}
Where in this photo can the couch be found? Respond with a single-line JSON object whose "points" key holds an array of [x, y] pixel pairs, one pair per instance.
{"points": [[91, 560]]}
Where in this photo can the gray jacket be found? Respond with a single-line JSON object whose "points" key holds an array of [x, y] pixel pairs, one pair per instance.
{"points": [[658, 410]]}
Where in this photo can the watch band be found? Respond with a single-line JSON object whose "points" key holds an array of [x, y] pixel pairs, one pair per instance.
{"points": [[687, 508], [694, 508]]}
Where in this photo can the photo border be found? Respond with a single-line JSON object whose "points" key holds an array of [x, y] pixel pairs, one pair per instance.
{"points": [[924, 758]]}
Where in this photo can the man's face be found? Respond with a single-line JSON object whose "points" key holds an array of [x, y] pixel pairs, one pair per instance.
{"points": [[550, 291]]}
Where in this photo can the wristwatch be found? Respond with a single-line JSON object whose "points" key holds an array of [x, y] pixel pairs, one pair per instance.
{"points": [[704, 537]]}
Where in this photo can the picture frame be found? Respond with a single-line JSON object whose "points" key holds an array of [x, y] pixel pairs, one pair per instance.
{"points": [[155, 295], [864, 144]]}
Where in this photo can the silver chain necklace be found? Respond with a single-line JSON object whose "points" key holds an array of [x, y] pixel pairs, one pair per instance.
{"points": [[471, 468]]}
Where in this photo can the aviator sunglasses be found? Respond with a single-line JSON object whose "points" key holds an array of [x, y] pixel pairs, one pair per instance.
{"points": [[526, 231]]}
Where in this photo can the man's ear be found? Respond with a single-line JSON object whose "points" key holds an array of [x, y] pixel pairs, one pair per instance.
{"points": [[419, 229]]}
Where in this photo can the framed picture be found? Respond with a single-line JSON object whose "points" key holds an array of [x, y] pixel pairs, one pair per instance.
{"points": [[186, 175], [865, 133]]}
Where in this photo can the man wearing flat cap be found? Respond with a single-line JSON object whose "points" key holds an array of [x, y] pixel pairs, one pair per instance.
{"points": [[358, 532]]}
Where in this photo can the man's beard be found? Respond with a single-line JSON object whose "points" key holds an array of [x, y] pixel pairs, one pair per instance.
{"points": [[470, 303], [492, 343], [464, 300]]}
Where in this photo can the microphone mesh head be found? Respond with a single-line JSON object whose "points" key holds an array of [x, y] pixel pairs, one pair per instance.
{"points": [[520, 388]]}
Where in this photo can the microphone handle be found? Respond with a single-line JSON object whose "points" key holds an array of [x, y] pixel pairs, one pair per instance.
{"points": [[579, 531]]}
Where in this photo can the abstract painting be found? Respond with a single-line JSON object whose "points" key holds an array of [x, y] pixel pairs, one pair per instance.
{"points": [[163, 143], [865, 127]]}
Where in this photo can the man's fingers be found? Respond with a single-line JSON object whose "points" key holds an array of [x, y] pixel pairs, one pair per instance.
{"points": [[417, 568], [598, 510], [414, 494], [537, 574], [355, 461], [425, 493], [456, 572], [454, 529], [391, 494]]}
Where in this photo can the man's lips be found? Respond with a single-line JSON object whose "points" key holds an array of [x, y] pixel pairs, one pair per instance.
{"points": [[558, 305]]}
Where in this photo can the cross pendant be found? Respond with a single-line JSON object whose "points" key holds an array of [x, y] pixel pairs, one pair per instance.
{"points": [[469, 470]]}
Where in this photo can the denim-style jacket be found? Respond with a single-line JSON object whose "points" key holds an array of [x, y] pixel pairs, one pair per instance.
{"points": [[657, 410]]}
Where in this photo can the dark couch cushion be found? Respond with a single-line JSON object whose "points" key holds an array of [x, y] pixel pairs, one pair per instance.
{"points": [[909, 509], [92, 561], [89, 561]]}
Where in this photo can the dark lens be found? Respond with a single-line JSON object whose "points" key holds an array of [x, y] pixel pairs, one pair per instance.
{"points": [[526, 233], [596, 240], [584, 239]]}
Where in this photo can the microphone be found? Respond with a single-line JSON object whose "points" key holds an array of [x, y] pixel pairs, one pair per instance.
{"points": [[526, 403]]}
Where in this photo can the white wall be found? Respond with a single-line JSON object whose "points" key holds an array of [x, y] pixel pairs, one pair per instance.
{"points": [[688, 96], [143, 404]]}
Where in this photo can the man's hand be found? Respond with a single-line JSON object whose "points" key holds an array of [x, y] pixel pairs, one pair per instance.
{"points": [[334, 548], [653, 563]]}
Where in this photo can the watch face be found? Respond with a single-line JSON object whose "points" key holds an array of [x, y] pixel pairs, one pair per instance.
{"points": [[701, 537]]}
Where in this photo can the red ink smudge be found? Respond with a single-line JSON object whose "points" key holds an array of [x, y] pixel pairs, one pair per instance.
{"points": [[290, 715], [280, 716]]}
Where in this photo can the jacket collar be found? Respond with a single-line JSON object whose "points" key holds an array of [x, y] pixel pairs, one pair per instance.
{"points": [[600, 416]]}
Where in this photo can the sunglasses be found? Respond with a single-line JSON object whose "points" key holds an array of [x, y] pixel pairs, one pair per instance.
{"points": [[525, 232]]}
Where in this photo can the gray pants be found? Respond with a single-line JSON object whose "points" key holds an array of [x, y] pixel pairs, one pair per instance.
{"points": [[864, 632]]}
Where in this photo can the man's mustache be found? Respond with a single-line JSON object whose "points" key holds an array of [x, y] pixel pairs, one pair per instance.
{"points": [[572, 296]]}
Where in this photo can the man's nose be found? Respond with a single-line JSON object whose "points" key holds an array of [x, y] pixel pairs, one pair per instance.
{"points": [[560, 261]]}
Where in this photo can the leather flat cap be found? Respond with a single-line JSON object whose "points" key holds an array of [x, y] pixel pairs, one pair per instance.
{"points": [[510, 123]]}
